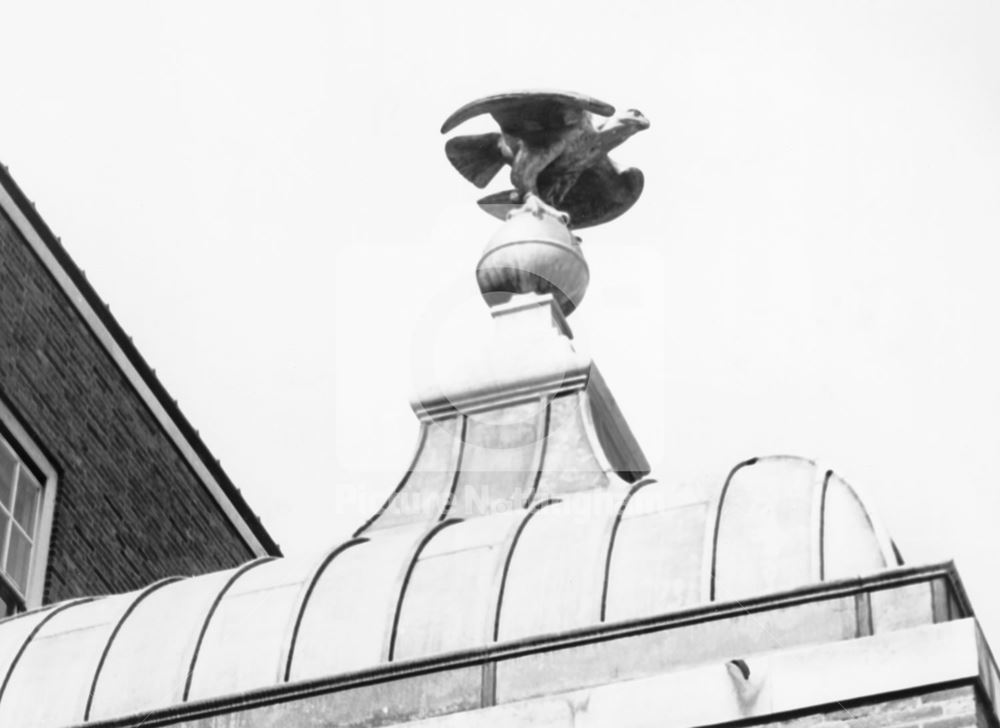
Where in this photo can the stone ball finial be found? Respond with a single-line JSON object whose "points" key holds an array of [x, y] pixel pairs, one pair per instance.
{"points": [[534, 251]]}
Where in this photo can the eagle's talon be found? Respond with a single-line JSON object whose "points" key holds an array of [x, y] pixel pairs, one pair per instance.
{"points": [[535, 205]]}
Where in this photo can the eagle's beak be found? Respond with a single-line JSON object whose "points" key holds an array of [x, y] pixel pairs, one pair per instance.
{"points": [[637, 118]]}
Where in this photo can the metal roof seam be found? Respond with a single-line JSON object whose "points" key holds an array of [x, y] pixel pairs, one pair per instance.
{"points": [[822, 524], [890, 552], [458, 468], [510, 555], [718, 522], [208, 618], [611, 540], [27, 640], [300, 612], [421, 443], [406, 580], [114, 633], [589, 425], [541, 452]]}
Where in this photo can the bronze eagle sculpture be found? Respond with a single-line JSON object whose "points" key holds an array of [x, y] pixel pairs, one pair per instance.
{"points": [[558, 157]]}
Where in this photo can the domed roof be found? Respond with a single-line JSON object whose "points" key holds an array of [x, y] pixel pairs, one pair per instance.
{"points": [[417, 589]]}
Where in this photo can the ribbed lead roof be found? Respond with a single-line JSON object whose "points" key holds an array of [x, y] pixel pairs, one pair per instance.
{"points": [[418, 590]]}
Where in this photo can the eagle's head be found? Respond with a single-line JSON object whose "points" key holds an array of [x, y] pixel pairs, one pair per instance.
{"points": [[621, 126], [634, 118]]}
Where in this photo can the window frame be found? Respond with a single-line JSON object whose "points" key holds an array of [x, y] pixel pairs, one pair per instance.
{"points": [[34, 459]]}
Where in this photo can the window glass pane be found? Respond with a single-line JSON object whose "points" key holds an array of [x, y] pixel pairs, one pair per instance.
{"points": [[8, 606], [27, 501], [4, 525], [7, 464], [18, 558], [8, 603]]}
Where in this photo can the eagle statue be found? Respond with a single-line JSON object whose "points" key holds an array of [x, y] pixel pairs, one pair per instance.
{"points": [[558, 156]]}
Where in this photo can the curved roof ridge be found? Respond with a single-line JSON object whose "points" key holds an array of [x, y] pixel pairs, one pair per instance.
{"points": [[422, 589]]}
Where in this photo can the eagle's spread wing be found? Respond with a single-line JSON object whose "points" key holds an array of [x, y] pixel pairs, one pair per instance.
{"points": [[524, 112], [477, 156], [538, 127], [601, 193]]}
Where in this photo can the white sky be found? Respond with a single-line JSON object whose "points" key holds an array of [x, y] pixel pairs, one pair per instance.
{"points": [[260, 193]]}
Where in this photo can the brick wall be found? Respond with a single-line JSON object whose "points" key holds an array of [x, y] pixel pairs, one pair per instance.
{"points": [[951, 708], [129, 509]]}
